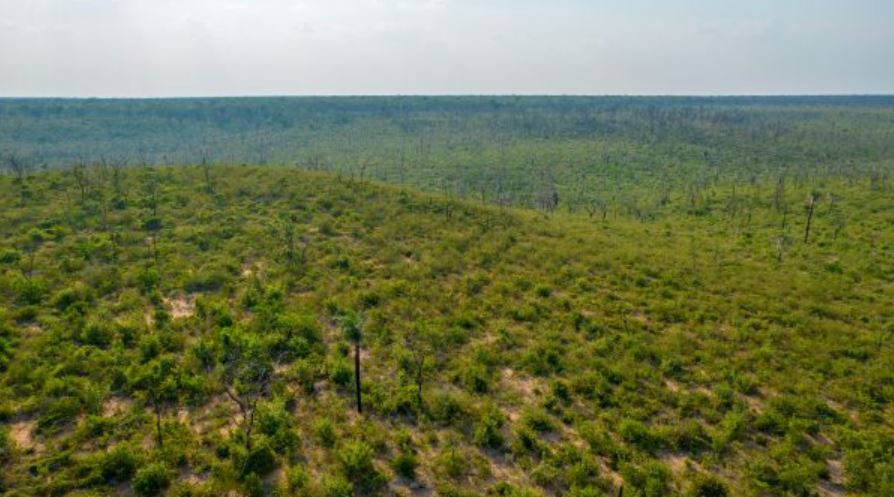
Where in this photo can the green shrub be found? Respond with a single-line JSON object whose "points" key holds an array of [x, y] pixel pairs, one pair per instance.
{"points": [[150, 480], [405, 465], [6, 446], [527, 442], [253, 486], [120, 463], [9, 256], [537, 420], [340, 372], [708, 486], [337, 486], [487, 430], [325, 432], [297, 478], [648, 480], [446, 408], [147, 278], [475, 378], [638, 435], [690, 436], [30, 291], [70, 296], [260, 460], [356, 460], [452, 463]]}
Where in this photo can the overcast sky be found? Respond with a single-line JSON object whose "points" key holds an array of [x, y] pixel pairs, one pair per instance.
{"points": [[285, 47]]}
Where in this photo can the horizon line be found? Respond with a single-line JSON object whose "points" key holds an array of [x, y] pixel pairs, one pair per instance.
{"points": [[445, 95]]}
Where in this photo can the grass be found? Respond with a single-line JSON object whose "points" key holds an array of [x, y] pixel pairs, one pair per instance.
{"points": [[557, 354]]}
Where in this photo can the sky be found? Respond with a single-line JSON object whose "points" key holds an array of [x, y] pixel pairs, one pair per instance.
{"points": [[161, 48]]}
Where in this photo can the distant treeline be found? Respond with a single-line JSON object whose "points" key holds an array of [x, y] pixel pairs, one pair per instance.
{"points": [[521, 150]]}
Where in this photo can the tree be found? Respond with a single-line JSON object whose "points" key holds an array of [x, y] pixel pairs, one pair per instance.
{"points": [[246, 372], [33, 241], [20, 167], [352, 327], [16, 165], [153, 226], [82, 178], [809, 209], [158, 383], [420, 347]]}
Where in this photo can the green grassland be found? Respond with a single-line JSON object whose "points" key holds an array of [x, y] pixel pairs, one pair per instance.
{"points": [[192, 331]]}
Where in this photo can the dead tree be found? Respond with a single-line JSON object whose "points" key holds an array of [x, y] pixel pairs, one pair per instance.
{"points": [[840, 222], [782, 243], [809, 209], [206, 172], [19, 167], [547, 196], [597, 205], [82, 180], [16, 165], [352, 327], [779, 193], [420, 347]]}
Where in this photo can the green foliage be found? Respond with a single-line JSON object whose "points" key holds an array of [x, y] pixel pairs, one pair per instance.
{"points": [[356, 460], [487, 430], [582, 348], [708, 486], [404, 465], [151, 479], [297, 478], [120, 463], [6, 446], [260, 461], [337, 486]]}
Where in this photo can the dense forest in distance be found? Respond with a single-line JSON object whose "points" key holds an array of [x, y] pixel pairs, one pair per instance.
{"points": [[447, 296], [501, 149]]}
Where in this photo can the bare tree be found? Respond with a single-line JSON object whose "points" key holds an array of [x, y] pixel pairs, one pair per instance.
{"points": [[597, 205], [419, 345], [17, 165], [809, 209], [782, 243], [82, 180], [246, 374]]}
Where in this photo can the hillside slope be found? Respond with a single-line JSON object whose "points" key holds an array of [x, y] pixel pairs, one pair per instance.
{"points": [[192, 331]]}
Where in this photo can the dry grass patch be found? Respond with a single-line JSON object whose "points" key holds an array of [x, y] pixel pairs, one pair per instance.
{"points": [[181, 307], [114, 406]]}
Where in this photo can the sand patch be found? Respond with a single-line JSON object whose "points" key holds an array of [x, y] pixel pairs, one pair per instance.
{"points": [[114, 406], [834, 487], [678, 463], [249, 269], [22, 434], [529, 388], [181, 307], [754, 404]]}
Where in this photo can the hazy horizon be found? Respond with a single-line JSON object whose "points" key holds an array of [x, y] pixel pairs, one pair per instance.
{"points": [[446, 95], [205, 48]]}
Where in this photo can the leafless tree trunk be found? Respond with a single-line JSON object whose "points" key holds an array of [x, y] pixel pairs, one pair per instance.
{"points": [[809, 209]]}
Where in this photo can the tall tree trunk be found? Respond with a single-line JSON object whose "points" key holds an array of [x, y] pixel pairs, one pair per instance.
{"points": [[357, 377], [810, 208]]}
